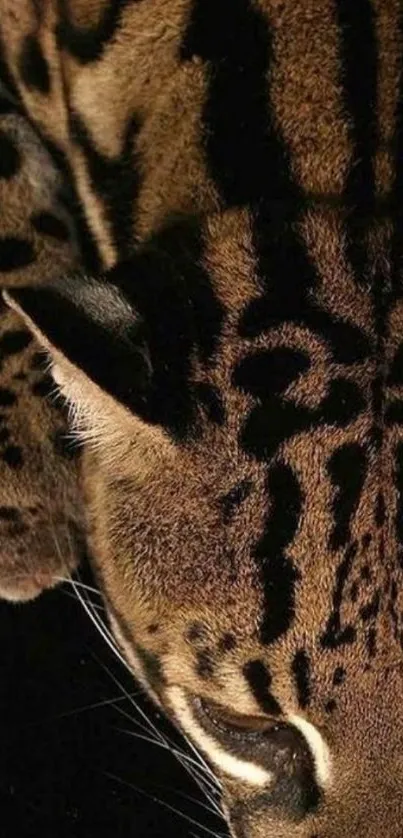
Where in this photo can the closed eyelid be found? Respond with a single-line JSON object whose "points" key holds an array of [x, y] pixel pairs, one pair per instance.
{"points": [[226, 762]]}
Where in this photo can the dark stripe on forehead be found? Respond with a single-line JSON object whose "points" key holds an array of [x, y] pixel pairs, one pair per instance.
{"points": [[397, 190], [278, 573], [260, 680], [245, 153], [358, 52], [240, 140]]}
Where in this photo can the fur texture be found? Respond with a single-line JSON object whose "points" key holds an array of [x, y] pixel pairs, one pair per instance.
{"points": [[231, 350]]}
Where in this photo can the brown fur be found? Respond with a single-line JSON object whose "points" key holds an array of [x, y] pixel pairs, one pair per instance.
{"points": [[40, 514], [165, 561]]}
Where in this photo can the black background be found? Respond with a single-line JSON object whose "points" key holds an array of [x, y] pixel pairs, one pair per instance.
{"points": [[66, 767]]}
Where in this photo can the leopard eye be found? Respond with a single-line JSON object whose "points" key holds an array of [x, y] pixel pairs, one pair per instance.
{"points": [[230, 722]]}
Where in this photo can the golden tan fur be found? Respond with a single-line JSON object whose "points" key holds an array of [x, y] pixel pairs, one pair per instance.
{"points": [[40, 512], [183, 589]]}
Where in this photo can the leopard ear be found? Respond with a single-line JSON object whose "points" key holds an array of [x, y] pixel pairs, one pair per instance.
{"points": [[135, 334], [96, 340]]}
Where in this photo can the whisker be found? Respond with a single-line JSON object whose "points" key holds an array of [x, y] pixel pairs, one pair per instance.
{"points": [[99, 625], [104, 703], [96, 606], [163, 803], [195, 769], [195, 766], [139, 710], [180, 755], [195, 801], [79, 584]]}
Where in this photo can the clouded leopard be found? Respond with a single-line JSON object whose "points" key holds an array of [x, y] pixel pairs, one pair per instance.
{"points": [[201, 233]]}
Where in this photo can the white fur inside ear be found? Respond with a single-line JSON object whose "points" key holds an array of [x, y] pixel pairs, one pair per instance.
{"points": [[92, 413], [95, 417], [106, 426]]}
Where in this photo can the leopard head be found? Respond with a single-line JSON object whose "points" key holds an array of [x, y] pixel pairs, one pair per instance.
{"points": [[243, 494]]}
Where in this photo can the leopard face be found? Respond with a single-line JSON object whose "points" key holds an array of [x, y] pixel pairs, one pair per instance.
{"points": [[236, 375], [245, 528]]}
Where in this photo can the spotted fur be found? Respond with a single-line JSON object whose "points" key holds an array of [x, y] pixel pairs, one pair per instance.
{"points": [[228, 334]]}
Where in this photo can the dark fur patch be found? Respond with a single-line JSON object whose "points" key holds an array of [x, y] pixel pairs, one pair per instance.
{"points": [[231, 502], [211, 402], [399, 485], [50, 225], [33, 66], [197, 632], [12, 456], [87, 45], [395, 376], [380, 510], [394, 413], [205, 664], [10, 513], [7, 78], [279, 576], [15, 253], [371, 642], [44, 388], [370, 611], [347, 468], [7, 397], [114, 180], [270, 372], [14, 341], [90, 258], [275, 420], [366, 573], [354, 591], [301, 670], [39, 361], [4, 435], [339, 676], [358, 48], [236, 104], [336, 634], [259, 680], [366, 540], [152, 667], [227, 643], [396, 198], [10, 159]]}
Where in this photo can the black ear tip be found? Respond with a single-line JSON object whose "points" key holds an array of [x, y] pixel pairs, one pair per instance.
{"points": [[30, 301], [19, 295], [17, 299]]}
